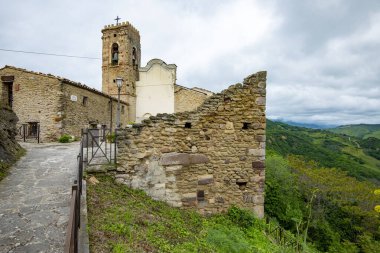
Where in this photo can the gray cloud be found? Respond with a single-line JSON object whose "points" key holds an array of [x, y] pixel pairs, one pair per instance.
{"points": [[321, 56]]}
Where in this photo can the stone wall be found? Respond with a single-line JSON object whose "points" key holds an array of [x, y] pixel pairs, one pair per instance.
{"points": [[35, 99], [96, 110], [186, 99], [206, 159]]}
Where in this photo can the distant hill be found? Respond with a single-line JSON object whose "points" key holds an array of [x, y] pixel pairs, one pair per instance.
{"points": [[361, 130], [307, 125], [351, 154]]}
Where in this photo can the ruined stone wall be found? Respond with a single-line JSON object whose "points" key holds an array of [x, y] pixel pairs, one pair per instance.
{"points": [[36, 99], [206, 159], [186, 99], [9, 148], [97, 109]]}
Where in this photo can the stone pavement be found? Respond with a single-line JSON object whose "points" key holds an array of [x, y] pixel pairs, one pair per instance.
{"points": [[34, 199]]}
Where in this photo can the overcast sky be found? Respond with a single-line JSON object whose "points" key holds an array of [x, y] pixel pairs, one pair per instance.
{"points": [[322, 57]]}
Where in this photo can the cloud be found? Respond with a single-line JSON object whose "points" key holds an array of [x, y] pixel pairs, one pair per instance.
{"points": [[321, 56]]}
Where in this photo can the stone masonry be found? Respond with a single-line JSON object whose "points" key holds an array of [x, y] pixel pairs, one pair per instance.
{"points": [[126, 38], [58, 105], [208, 159], [188, 99]]}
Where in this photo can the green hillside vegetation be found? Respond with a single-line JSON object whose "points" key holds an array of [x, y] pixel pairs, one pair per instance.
{"points": [[319, 197], [322, 184], [360, 131], [335, 212], [125, 220], [328, 149]]}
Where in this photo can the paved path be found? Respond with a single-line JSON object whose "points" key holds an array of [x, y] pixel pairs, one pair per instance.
{"points": [[34, 199]]}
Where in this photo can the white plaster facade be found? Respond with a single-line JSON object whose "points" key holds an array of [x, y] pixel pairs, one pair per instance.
{"points": [[155, 89]]}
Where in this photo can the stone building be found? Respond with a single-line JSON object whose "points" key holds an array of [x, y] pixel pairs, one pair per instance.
{"points": [[188, 99], [209, 158], [54, 104]]}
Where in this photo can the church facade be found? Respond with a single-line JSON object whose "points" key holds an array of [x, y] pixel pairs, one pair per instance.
{"points": [[52, 106]]}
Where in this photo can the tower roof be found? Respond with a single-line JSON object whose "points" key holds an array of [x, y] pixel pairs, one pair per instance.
{"points": [[122, 24]]}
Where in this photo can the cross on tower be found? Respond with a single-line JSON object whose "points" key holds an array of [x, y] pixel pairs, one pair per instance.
{"points": [[117, 20]]}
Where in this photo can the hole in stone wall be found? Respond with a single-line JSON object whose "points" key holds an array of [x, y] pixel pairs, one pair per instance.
{"points": [[114, 35], [246, 125], [207, 138], [227, 99], [242, 185], [201, 195], [188, 125]]}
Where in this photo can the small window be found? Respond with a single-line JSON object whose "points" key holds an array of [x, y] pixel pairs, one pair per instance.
{"points": [[109, 106], [85, 101], [115, 54], [242, 185], [201, 196], [134, 57], [122, 109], [246, 125], [188, 125]]}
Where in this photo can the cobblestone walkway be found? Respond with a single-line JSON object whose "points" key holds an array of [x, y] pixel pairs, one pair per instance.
{"points": [[34, 199]]}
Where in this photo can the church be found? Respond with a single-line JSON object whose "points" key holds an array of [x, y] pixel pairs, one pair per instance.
{"points": [[50, 106]]}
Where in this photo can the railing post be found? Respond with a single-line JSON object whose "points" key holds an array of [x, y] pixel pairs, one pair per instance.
{"points": [[24, 131], [115, 145], [38, 133]]}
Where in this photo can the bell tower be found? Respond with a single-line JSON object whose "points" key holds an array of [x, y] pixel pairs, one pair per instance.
{"points": [[121, 55]]}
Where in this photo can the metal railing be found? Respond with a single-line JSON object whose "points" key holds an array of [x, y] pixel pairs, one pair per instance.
{"points": [[26, 132], [93, 144], [99, 145], [71, 243]]}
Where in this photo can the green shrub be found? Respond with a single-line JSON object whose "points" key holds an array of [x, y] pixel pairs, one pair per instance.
{"points": [[282, 197], [64, 138], [111, 138], [241, 217]]}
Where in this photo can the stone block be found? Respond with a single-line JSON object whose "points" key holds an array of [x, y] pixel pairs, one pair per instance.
{"points": [[260, 138], [198, 158], [259, 211], [229, 125], [173, 168], [205, 179], [260, 101], [258, 165], [175, 159], [170, 129], [256, 152], [189, 197], [183, 159]]}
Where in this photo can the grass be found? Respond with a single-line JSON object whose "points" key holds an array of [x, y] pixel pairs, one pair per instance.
{"points": [[126, 220]]}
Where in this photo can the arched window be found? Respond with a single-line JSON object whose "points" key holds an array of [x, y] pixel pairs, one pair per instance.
{"points": [[134, 57], [115, 54]]}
